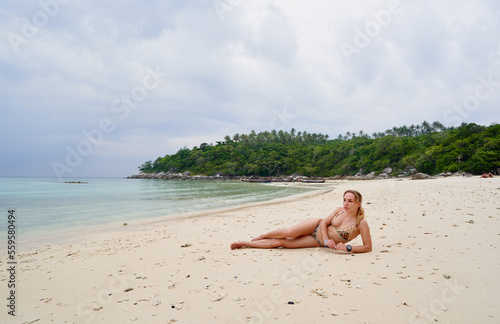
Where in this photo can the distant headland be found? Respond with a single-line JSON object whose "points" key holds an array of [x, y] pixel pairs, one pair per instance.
{"points": [[426, 149]]}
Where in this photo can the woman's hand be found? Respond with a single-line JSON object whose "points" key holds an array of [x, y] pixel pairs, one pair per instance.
{"points": [[330, 244], [341, 247]]}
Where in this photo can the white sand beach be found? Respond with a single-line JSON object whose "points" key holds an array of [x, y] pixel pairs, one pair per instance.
{"points": [[434, 259]]}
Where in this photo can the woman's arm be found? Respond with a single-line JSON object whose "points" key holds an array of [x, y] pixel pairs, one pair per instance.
{"points": [[324, 225], [364, 231]]}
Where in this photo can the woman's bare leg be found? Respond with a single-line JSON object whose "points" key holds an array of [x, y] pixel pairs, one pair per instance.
{"points": [[299, 242], [302, 228], [260, 244]]}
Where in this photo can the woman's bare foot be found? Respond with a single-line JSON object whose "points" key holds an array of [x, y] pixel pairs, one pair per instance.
{"points": [[237, 245], [257, 238]]}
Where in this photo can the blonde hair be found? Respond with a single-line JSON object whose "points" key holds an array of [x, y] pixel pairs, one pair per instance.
{"points": [[359, 199]]}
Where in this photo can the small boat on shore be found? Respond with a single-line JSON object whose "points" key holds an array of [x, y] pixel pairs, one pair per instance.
{"points": [[256, 180], [311, 181]]}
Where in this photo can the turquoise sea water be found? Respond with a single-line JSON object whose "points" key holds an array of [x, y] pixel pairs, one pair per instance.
{"points": [[45, 205]]}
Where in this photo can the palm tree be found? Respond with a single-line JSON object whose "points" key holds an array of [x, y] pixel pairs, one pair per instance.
{"points": [[413, 130], [418, 130], [426, 127], [438, 126], [252, 137], [281, 136]]}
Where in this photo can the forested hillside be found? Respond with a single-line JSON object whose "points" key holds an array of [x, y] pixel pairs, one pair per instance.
{"points": [[429, 148]]}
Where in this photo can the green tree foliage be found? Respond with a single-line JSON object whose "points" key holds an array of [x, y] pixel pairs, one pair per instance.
{"points": [[430, 148]]}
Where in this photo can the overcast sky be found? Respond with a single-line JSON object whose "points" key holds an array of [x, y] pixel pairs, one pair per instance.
{"points": [[96, 88]]}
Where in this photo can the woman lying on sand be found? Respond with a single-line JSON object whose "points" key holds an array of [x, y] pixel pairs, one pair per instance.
{"points": [[342, 226]]}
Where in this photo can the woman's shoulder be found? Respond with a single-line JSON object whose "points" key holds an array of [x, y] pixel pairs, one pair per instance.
{"points": [[363, 223]]}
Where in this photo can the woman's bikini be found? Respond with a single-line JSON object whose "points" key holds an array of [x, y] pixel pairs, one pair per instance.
{"points": [[344, 234]]}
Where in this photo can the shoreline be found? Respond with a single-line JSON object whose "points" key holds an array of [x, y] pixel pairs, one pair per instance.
{"points": [[72, 236], [420, 270], [384, 175]]}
